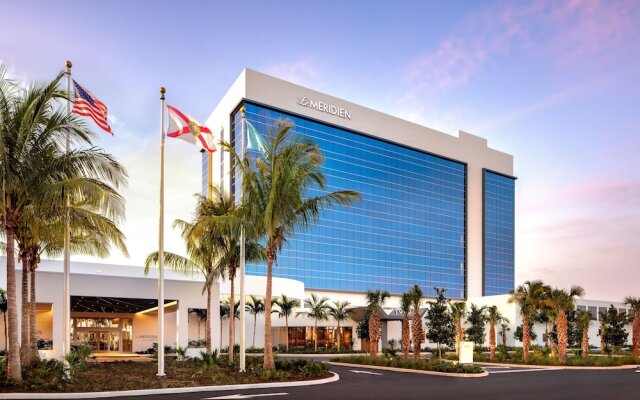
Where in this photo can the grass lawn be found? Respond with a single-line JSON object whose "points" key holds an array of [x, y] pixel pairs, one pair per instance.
{"points": [[424, 365], [128, 375]]}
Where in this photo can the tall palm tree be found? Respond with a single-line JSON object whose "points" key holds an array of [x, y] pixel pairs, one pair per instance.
{"points": [[417, 329], [201, 251], [285, 309], [458, 313], [3, 310], [375, 300], [318, 309], [583, 320], [494, 316], [405, 307], [528, 297], [340, 311], [41, 232], [37, 171], [560, 301], [255, 306], [277, 204], [634, 304]]}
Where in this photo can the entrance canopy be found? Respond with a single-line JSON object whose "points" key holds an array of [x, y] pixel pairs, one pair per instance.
{"points": [[115, 304]]}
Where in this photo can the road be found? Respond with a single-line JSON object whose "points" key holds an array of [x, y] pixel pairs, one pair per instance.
{"points": [[502, 383]]}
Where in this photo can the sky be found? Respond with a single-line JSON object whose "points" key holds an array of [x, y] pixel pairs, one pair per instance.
{"points": [[555, 83]]}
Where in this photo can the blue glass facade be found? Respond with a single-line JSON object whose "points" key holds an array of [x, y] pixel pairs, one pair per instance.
{"points": [[408, 229], [499, 224]]}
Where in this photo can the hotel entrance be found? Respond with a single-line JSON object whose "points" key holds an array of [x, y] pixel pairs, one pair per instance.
{"points": [[103, 334]]}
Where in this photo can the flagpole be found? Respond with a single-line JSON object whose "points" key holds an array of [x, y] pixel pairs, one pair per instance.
{"points": [[161, 245], [242, 264], [66, 306]]}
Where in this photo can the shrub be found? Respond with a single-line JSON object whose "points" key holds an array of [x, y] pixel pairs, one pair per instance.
{"points": [[181, 352], [77, 358], [425, 365], [208, 360]]}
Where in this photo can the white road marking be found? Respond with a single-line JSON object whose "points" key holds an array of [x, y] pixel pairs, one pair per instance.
{"points": [[364, 372], [497, 367], [245, 396], [638, 370], [524, 370]]}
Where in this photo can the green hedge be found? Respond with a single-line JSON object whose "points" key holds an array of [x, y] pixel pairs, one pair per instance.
{"points": [[424, 365]]}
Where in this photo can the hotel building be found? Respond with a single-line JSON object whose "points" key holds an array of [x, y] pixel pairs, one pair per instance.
{"points": [[437, 210]]}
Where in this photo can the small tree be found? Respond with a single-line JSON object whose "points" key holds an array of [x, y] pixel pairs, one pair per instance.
{"points": [[458, 313], [405, 307], [494, 317], [440, 326], [615, 335], [340, 311], [504, 329], [318, 309], [285, 309], [477, 319], [634, 303], [255, 307], [362, 330], [583, 320]]}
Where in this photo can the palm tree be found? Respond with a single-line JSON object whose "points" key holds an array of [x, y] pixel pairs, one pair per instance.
{"points": [[405, 307], [37, 171], [375, 300], [528, 297], [504, 329], [634, 304], [458, 313], [224, 314], [255, 307], [416, 324], [41, 232], [286, 306], [340, 311], [201, 315], [494, 316], [277, 205], [201, 251], [235, 308], [3, 310], [560, 301], [583, 321], [318, 309]]}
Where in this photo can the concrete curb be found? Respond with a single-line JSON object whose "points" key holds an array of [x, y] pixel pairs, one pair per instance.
{"points": [[147, 392], [571, 367], [411, 371]]}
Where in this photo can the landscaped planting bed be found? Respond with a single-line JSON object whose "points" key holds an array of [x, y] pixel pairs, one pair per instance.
{"points": [[48, 376], [423, 365], [575, 361]]}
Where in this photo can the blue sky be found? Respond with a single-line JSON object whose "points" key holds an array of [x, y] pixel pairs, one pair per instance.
{"points": [[555, 83]]}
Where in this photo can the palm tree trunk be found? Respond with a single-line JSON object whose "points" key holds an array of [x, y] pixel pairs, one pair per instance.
{"points": [[268, 338], [459, 334], [232, 319], [492, 341], [33, 344], [406, 339], [417, 333], [286, 323], [255, 322], [561, 323], [585, 342], [526, 338], [207, 328], [24, 313], [339, 334], [636, 335], [315, 336], [14, 367]]}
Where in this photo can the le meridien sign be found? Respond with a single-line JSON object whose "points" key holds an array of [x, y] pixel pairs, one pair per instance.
{"points": [[324, 107]]}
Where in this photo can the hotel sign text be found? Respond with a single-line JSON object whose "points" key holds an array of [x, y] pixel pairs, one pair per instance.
{"points": [[324, 107]]}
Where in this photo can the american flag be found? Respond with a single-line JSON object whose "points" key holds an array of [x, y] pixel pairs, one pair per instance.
{"points": [[87, 105]]}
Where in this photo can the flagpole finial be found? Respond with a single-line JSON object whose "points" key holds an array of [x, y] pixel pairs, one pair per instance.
{"points": [[243, 110], [68, 64], [162, 92]]}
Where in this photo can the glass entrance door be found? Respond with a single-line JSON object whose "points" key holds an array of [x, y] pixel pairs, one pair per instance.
{"points": [[102, 340]]}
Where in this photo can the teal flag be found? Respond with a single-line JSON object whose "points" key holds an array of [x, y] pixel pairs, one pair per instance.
{"points": [[254, 139]]}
